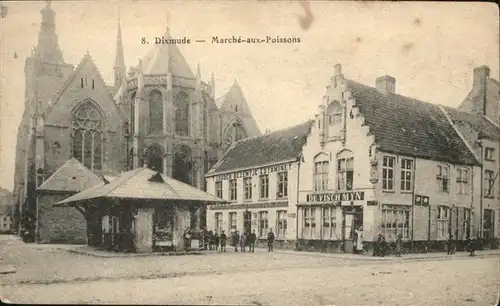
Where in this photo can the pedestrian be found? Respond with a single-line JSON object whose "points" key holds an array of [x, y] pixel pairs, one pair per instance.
{"points": [[380, 245], [243, 241], [235, 240], [270, 240], [187, 239], [450, 245], [210, 240], [251, 241], [216, 241], [471, 247], [399, 245], [359, 240], [204, 239], [223, 240]]}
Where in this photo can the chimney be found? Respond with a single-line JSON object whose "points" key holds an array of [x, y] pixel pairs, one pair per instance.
{"points": [[386, 84]]}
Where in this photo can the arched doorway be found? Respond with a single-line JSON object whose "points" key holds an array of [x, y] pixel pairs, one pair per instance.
{"points": [[154, 157], [183, 165]]}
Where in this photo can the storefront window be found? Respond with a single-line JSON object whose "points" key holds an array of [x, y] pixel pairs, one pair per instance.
{"points": [[232, 221], [281, 224], [309, 222], [263, 224], [329, 222], [218, 222], [395, 221]]}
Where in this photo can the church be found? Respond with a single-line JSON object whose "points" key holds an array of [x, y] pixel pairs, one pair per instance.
{"points": [[157, 114]]}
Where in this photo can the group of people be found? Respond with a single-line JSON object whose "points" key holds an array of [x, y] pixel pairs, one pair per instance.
{"points": [[212, 241]]}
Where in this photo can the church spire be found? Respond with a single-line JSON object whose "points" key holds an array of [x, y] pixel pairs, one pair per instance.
{"points": [[48, 47], [119, 67]]}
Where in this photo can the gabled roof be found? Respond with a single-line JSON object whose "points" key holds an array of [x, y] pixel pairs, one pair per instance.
{"points": [[407, 126], [282, 145], [143, 183], [87, 59], [235, 104], [484, 127], [72, 176], [164, 58]]}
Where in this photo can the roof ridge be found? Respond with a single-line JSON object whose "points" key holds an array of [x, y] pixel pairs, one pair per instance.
{"points": [[393, 94], [273, 133]]}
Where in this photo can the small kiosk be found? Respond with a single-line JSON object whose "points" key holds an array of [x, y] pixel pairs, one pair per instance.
{"points": [[141, 211]]}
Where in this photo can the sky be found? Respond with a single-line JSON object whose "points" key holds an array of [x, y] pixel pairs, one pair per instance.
{"points": [[430, 48]]}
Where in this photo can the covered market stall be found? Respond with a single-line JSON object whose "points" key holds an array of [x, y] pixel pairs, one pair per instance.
{"points": [[140, 211]]}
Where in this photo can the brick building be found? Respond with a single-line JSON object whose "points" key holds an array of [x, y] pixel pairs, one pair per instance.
{"points": [[160, 114]]}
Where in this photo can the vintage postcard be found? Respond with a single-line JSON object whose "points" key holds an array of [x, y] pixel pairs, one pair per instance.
{"points": [[249, 152]]}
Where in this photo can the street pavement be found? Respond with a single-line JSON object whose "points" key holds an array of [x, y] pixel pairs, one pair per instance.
{"points": [[51, 274]]}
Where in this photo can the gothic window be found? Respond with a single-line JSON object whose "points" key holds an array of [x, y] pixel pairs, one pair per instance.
{"points": [[87, 136], [235, 132], [182, 114], [132, 114], [156, 111]]}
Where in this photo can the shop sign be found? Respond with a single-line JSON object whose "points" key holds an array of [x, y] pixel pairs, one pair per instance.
{"points": [[253, 172], [336, 197]]}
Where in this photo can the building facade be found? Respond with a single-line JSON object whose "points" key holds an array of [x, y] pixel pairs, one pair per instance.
{"points": [[380, 163], [258, 177], [159, 114]]}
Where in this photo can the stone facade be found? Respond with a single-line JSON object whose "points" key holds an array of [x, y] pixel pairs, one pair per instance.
{"points": [[61, 225], [58, 97]]}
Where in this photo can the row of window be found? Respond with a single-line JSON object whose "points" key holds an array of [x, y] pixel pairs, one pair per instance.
{"points": [[280, 229], [395, 221], [345, 173], [181, 110], [282, 187]]}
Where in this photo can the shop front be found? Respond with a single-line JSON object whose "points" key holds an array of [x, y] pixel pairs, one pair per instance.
{"points": [[335, 222]]}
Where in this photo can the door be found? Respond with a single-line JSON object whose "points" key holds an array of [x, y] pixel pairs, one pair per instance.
{"points": [[348, 236], [489, 224], [247, 222]]}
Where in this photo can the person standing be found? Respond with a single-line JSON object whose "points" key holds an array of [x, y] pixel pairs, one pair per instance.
{"points": [[216, 241], [399, 245], [210, 240], [187, 239], [359, 240], [223, 240], [243, 241], [252, 238], [235, 240], [270, 240]]}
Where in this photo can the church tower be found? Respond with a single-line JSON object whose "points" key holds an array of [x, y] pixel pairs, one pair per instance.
{"points": [[119, 68], [45, 71]]}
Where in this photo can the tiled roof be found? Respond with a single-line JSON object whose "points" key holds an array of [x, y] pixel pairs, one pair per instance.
{"points": [[143, 183], [270, 148], [407, 126], [484, 127], [166, 57], [235, 98], [73, 176]]}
